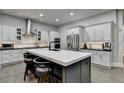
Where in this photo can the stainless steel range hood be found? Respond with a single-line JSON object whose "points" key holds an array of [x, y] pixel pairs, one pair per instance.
{"points": [[29, 28]]}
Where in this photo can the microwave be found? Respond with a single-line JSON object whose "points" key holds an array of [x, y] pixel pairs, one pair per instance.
{"points": [[7, 46]]}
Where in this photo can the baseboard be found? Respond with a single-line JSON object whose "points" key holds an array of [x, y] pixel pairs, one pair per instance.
{"points": [[117, 65], [12, 63]]}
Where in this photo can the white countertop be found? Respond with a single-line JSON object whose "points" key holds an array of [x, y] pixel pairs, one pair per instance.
{"points": [[62, 57]]}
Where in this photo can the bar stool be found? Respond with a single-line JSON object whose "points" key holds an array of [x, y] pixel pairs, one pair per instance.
{"points": [[42, 68], [28, 59]]}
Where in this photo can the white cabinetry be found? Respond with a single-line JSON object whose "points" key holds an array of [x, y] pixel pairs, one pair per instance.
{"points": [[45, 36], [75, 30], [89, 33], [9, 32], [9, 56], [0, 59], [103, 32], [21, 52], [98, 32], [102, 58], [105, 58], [0, 32]]}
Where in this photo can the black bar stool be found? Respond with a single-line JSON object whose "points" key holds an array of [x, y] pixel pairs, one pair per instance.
{"points": [[28, 59], [42, 68]]}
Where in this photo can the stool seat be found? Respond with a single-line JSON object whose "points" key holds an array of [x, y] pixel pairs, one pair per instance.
{"points": [[42, 68]]}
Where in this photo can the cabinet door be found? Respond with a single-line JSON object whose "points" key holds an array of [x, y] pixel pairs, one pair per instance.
{"points": [[0, 60], [102, 58], [89, 33], [1, 32], [105, 59], [103, 32], [21, 53], [99, 33], [107, 32], [14, 55], [13, 33], [9, 56], [95, 58], [86, 71], [9, 32], [6, 33], [44, 36]]}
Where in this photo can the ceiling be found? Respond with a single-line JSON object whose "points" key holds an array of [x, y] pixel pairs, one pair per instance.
{"points": [[50, 15]]}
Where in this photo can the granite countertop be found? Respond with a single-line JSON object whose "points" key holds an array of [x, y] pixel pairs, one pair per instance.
{"points": [[61, 57], [97, 49]]}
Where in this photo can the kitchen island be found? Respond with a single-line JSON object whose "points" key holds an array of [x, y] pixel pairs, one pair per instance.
{"points": [[69, 66]]}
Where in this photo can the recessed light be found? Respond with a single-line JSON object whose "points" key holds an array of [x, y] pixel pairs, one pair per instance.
{"points": [[57, 20], [71, 14], [41, 14]]}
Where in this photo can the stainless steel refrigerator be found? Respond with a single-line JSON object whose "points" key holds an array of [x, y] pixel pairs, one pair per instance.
{"points": [[73, 42]]}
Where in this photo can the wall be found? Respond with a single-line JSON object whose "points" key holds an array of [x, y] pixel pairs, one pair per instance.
{"points": [[121, 36]]}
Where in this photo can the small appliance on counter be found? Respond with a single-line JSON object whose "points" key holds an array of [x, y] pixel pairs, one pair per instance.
{"points": [[7, 46], [106, 46]]}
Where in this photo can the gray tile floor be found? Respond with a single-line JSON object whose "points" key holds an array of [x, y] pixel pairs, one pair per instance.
{"points": [[15, 73]]}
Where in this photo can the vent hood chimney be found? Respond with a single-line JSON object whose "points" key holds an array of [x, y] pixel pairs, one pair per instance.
{"points": [[29, 28]]}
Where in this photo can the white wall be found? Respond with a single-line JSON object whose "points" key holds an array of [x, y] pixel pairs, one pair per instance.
{"points": [[105, 17]]}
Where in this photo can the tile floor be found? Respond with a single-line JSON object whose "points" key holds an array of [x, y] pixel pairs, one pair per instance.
{"points": [[15, 73]]}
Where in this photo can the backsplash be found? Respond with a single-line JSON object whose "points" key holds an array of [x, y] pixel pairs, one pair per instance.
{"points": [[97, 45], [29, 39]]}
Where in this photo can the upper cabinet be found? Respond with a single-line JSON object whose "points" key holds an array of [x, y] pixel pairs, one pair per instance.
{"points": [[74, 30], [88, 34], [45, 35], [103, 32], [0, 32], [42, 35], [99, 32], [11, 33]]}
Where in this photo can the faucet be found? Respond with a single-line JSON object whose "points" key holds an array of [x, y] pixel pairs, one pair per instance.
{"points": [[50, 44]]}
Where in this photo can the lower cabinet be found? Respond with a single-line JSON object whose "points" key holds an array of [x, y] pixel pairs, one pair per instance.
{"points": [[9, 56], [102, 58], [0, 60], [21, 52]]}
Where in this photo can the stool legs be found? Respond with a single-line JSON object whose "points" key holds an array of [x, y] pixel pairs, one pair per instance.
{"points": [[26, 70], [40, 78]]}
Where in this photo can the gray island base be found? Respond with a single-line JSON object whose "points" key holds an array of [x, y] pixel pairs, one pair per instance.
{"points": [[73, 67]]}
